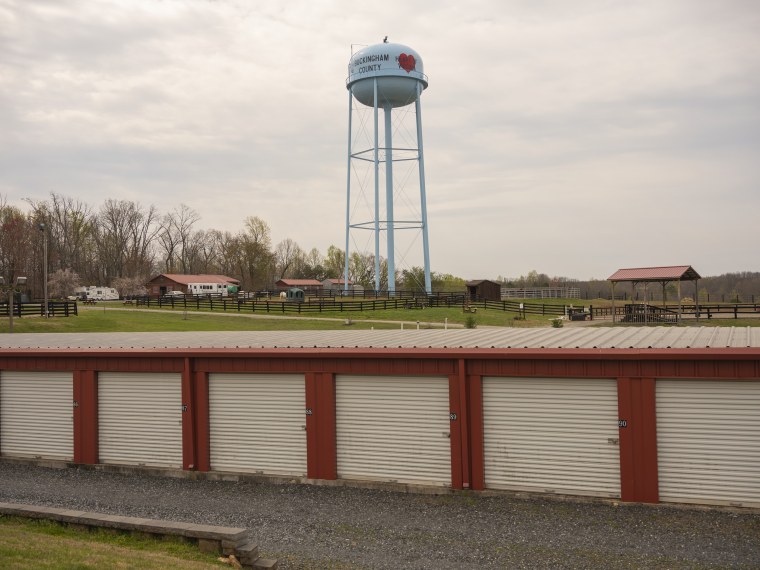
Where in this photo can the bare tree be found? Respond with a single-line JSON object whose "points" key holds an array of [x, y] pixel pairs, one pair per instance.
{"points": [[15, 231], [257, 261], [174, 238], [70, 228], [285, 254]]}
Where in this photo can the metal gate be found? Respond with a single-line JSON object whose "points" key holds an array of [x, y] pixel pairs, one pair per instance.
{"points": [[393, 429], [257, 423], [140, 418], [36, 415], [552, 435], [708, 442]]}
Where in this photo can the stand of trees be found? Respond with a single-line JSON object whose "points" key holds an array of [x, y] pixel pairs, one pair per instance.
{"points": [[123, 244], [738, 287]]}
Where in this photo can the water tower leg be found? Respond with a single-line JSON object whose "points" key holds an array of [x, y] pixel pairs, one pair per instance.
{"points": [[389, 200], [423, 199], [377, 197], [348, 189]]}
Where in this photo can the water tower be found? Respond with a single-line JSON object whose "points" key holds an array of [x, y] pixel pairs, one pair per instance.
{"points": [[386, 76]]}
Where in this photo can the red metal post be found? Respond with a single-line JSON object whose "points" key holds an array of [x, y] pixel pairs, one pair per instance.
{"points": [[321, 452], [202, 423], [637, 420], [475, 424], [85, 404], [455, 432], [188, 417]]}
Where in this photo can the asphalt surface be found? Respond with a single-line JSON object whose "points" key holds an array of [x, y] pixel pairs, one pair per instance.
{"points": [[309, 526]]}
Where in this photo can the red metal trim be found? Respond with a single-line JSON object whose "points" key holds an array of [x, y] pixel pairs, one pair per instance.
{"points": [[85, 402], [202, 422], [312, 441], [188, 419], [731, 353], [638, 440], [603, 368], [626, 448], [647, 476], [455, 432], [464, 422], [475, 413], [321, 452], [356, 366]]}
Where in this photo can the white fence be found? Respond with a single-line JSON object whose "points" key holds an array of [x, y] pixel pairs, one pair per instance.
{"points": [[541, 293]]}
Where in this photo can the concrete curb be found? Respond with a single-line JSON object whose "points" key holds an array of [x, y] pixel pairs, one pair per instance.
{"points": [[211, 539]]}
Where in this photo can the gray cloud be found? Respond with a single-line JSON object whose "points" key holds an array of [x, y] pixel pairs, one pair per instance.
{"points": [[573, 138]]}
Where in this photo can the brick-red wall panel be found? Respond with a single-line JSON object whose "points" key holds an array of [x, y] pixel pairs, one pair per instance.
{"points": [[85, 401], [201, 421]]}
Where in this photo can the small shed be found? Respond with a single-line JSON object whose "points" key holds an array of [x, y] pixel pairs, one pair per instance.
{"points": [[483, 290], [295, 294], [310, 286]]}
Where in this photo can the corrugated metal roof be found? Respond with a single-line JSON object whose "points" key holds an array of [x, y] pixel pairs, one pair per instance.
{"points": [[187, 279], [300, 282], [671, 273], [490, 338]]}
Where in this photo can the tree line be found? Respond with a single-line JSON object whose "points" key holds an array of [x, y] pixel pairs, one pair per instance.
{"points": [[734, 287], [123, 244]]}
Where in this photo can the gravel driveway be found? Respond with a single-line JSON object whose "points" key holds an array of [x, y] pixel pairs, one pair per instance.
{"points": [[307, 526]]}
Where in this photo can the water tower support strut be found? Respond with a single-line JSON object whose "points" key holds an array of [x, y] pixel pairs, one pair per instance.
{"points": [[348, 188], [389, 199], [423, 199], [377, 196]]}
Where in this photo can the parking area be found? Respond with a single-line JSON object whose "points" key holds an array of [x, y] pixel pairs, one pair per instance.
{"points": [[310, 526]]}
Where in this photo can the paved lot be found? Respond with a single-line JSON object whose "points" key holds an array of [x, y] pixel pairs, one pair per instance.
{"points": [[309, 526]]}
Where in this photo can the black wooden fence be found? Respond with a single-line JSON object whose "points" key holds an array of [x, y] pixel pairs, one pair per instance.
{"points": [[55, 309]]}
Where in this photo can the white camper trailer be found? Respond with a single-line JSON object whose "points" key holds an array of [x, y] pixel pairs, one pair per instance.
{"points": [[215, 289], [97, 293]]}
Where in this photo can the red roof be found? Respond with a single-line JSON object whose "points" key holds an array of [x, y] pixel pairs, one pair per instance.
{"points": [[668, 273], [336, 281], [298, 283], [187, 279]]}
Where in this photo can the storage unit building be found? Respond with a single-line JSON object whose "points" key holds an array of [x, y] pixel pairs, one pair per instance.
{"points": [[642, 415]]}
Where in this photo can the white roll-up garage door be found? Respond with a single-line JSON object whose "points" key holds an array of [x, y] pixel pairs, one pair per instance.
{"points": [[258, 423], [140, 418], [393, 429], [555, 435], [708, 442], [37, 415]]}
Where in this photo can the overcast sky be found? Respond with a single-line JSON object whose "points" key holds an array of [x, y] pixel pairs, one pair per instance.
{"points": [[573, 138]]}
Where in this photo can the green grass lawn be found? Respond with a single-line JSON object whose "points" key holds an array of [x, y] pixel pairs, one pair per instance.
{"points": [[33, 544], [113, 317]]}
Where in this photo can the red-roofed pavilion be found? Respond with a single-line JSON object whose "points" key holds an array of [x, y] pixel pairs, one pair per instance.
{"points": [[661, 275]]}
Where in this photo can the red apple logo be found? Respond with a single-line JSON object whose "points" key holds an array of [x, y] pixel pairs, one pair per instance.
{"points": [[406, 62]]}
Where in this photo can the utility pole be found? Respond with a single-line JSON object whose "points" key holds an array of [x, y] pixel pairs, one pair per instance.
{"points": [[45, 266]]}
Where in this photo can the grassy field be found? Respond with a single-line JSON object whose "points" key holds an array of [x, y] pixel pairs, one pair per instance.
{"points": [[114, 317], [35, 544], [102, 318]]}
